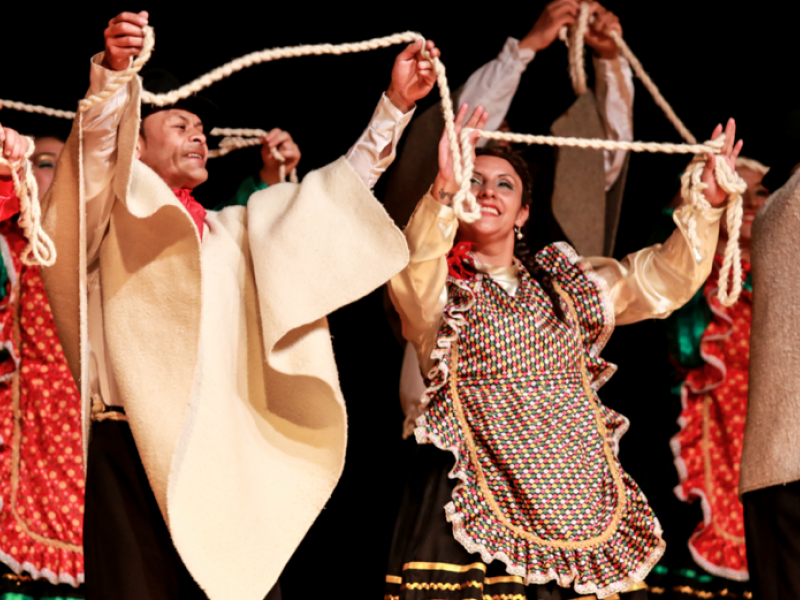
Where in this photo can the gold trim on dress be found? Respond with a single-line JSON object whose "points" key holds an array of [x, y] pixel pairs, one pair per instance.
{"points": [[434, 566], [601, 428], [394, 579], [503, 579], [17, 440], [453, 587], [707, 472]]}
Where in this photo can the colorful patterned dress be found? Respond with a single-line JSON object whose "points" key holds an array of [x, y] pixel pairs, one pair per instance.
{"points": [[539, 487], [708, 448], [41, 455]]}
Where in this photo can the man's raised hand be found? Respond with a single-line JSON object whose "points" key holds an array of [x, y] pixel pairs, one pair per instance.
{"points": [[124, 39], [554, 16], [598, 36], [283, 143], [14, 147], [413, 76]]}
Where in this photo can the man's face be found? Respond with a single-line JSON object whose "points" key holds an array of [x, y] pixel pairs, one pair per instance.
{"points": [[44, 159], [173, 144]]}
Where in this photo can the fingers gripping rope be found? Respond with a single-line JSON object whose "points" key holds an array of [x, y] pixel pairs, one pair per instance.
{"points": [[245, 138], [692, 191], [40, 250]]}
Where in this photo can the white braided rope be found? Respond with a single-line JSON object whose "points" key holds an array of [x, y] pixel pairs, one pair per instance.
{"points": [[575, 50], [692, 191], [653, 89], [262, 56], [35, 108], [246, 138], [39, 246]]}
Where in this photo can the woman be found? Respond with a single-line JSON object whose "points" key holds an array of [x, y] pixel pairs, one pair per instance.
{"points": [[710, 346], [530, 477], [41, 470]]}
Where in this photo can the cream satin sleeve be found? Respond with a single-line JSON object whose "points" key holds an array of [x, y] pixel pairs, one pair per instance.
{"points": [[653, 282], [419, 292]]}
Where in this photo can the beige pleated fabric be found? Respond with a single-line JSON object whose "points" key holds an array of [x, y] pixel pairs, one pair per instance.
{"points": [[221, 350]]}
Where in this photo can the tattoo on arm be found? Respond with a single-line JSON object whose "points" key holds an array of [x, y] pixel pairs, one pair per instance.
{"points": [[446, 197]]}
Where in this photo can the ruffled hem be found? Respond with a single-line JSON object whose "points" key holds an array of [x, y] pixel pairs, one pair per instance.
{"points": [[40, 561], [570, 559], [706, 541]]}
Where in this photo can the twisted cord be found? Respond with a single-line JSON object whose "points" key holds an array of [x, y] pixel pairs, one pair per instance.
{"points": [[36, 108], [245, 138], [575, 45], [601, 144], [692, 188], [122, 77], [262, 56], [653, 88], [30, 211]]}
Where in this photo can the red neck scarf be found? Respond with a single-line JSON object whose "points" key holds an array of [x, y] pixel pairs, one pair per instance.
{"points": [[196, 210]]}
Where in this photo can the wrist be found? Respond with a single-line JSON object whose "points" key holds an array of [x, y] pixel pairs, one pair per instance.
{"points": [[444, 190], [609, 54], [532, 42], [403, 104], [270, 175]]}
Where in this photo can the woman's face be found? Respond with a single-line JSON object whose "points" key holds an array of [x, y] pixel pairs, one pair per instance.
{"points": [[44, 159], [498, 189]]}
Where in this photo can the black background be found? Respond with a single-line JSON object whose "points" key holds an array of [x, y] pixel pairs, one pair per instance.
{"points": [[710, 59]]}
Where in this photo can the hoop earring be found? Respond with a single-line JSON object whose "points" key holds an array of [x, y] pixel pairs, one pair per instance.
{"points": [[518, 233]]}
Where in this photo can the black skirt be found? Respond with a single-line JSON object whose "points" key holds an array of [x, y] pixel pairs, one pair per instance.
{"points": [[426, 562]]}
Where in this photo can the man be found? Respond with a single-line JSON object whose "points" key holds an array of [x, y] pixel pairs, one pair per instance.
{"points": [[205, 334]]}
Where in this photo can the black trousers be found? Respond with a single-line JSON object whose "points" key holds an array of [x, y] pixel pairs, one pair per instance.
{"points": [[128, 551], [772, 529]]}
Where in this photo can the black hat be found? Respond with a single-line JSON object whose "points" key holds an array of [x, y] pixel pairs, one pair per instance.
{"points": [[160, 81]]}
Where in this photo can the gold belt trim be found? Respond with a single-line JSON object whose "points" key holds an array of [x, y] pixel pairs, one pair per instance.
{"points": [[601, 428], [101, 413], [16, 443], [707, 471]]}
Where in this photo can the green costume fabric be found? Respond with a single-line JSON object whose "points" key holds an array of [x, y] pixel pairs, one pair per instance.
{"points": [[249, 186]]}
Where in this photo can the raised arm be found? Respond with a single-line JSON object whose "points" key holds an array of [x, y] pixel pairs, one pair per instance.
{"points": [[613, 87], [413, 77], [419, 292], [657, 280], [124, 38]]}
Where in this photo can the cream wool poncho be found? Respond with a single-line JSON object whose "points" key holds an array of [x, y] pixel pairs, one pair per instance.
{"points": [[221, 350]]}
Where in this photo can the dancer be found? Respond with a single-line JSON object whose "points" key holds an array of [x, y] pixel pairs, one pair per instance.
{"points": [[710, 346], [494, 87], [219, 424], [517, 453], [41, 468]]}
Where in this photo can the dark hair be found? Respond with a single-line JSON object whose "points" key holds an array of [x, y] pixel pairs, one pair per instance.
{"points": [[522, 250]]}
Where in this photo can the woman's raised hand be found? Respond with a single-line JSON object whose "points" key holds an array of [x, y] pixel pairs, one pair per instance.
{"points": [[477, 121], [14, 146], [730, 150], [445, 186]]}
